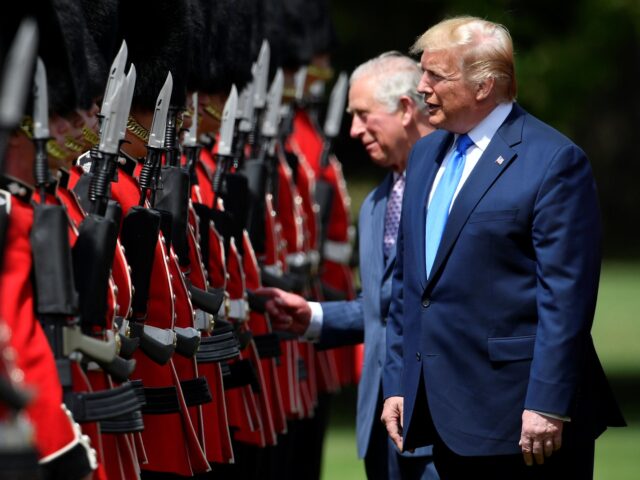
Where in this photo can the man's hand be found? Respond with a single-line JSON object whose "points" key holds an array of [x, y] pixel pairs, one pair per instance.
{"points": [[392, 419], [288, 312], [540, 437]]}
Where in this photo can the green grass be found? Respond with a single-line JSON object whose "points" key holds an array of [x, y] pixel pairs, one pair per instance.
{"points": [[616, 329], [616, 332], [340, 460]]}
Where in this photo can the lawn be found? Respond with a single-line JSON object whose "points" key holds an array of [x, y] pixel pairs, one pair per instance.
{"points": [[616, 332]]}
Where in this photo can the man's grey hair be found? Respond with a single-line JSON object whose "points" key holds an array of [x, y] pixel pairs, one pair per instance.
{"points": [[395, 75]]}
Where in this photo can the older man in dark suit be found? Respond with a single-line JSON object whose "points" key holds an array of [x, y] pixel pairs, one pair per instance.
{"points": [[388, 118], [489, 352]]}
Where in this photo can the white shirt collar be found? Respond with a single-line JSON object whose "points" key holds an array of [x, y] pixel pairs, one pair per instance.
{"points": [[482, 133]]}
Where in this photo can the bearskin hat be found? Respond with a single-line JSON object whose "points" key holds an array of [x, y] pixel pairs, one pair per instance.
{"points": [[157, 36]]}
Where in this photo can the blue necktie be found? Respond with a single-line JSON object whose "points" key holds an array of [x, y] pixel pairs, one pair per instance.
{"points": [[438, 210]]}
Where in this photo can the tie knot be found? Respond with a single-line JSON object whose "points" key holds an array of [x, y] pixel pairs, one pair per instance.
{"points": [[463, 143]]}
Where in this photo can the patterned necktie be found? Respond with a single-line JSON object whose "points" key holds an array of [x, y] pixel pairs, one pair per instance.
{"points": [[392, 215], [438, 210]]}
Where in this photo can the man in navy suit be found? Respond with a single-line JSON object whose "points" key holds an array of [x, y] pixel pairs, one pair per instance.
{"points": [[388, 118], [489, 352]]}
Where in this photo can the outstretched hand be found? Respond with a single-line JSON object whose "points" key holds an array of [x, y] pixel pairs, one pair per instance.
{"points": [[288, 312]]}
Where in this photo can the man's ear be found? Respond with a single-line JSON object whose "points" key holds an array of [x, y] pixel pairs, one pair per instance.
{"points": [[407, 107], [485, 88]]}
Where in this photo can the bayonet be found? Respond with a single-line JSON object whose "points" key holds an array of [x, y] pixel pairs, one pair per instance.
{"points": [[115, 75], [14, 84], [156, 144], [112, 134], [272, 114], [18, 65], [109, 132], [159, 122], [245, 112], [41, 127], [260, 80], [335, 111], [337, 102], [40, 103], [125, 103], [261, 75], [299, 80], [115, 118], [225, 142], [190, 141], [246, 122]]}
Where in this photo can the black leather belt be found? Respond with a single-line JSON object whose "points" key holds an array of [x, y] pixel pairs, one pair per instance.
{"points": [[196, 391], [128, 422], [286, 335], [240, 374], [268, 345], [102, 405], [161, 400], [221, 345]]}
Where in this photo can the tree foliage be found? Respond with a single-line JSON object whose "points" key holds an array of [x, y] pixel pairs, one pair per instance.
{"points": [[578, 67]]}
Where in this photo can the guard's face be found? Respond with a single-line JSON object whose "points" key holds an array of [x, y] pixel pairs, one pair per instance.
{"points": [[89, 124], [65, 144], [449, 97], [380, 131]]}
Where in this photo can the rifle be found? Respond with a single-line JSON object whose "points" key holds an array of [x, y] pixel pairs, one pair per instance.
{"points": [[324, 190], [57, 299], [261, 170], [140, 231]]}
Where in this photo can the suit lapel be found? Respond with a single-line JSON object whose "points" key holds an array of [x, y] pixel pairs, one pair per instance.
{"points": [[492, 163], [428, 172]]}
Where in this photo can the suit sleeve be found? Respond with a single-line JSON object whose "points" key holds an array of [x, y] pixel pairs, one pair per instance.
{"points": [[342, 323], [566, 236]]}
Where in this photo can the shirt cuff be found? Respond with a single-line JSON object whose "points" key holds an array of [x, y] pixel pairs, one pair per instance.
{"points": [[552, 415], [314, 329]]}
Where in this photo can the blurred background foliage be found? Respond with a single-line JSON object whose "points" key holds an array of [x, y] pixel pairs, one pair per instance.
{"points": [[578, 69]]}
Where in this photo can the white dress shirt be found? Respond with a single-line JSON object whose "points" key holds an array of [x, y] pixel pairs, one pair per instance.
{"points": [[481, 135]]}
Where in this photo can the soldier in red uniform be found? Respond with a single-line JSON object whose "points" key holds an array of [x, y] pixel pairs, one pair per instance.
{"points": [[63, 451]]}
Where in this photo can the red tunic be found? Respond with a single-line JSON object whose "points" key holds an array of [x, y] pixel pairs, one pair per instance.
{"points": [[53, 428]]}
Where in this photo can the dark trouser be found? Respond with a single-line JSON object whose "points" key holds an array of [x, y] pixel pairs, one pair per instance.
{"points": [[575, 462], [382, 461]]}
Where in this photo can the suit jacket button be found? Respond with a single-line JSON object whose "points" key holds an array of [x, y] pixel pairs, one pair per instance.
{"points": [[426, 302], [418, 356]]}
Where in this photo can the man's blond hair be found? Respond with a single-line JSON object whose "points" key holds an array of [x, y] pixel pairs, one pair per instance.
{"points": [[485, 48]]}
